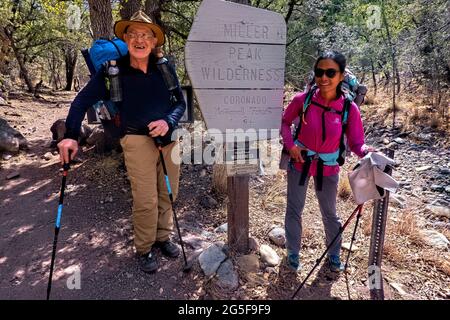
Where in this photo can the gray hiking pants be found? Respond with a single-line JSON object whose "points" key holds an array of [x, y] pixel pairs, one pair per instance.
{"points": [[295, 203]]}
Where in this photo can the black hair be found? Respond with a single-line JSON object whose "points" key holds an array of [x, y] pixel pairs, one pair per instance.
{"points": [[337, 57]]}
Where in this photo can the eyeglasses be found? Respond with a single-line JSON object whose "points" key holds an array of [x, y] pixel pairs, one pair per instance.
{"points": [[145, 36], [330, 73]]}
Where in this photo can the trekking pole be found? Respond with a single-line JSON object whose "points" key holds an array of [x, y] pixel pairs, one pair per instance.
{"points": [[66, 167], [187, 267], [350, 251], [358, 210]]}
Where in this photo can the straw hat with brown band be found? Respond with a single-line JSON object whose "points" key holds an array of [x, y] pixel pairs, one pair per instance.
{"points": [[139, 18]]}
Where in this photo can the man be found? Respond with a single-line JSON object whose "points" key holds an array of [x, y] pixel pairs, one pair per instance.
{"points": [[147, 113]]}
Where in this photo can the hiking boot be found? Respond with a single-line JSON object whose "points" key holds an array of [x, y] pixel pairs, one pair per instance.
{"points": [[334, 262], [168, 248], [293, 262], [148, 262]]}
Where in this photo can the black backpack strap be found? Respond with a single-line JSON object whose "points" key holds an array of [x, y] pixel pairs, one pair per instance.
{"points": [[319, 175], [88, 60], [325, 109], [305, 168], [345, 113], [169, 79]]}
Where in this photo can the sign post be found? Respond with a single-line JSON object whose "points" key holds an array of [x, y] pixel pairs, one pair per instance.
{"points": [[235, 57], [379, 219]]}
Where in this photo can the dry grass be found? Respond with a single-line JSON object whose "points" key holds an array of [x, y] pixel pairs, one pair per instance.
{"points": [[436, 122], [367, 226], [392, 253], [407, 225], [344, 189], [276, 193], [414, 117], [445, 232], [417, 239], [370, 100], [219, 178], [441, 263], [366, 221]]}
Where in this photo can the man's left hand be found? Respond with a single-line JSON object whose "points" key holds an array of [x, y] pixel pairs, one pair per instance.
{"points": [[158, 128]]}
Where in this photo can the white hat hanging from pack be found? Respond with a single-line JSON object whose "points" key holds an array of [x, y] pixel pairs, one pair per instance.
{"points": [[368, 179]]}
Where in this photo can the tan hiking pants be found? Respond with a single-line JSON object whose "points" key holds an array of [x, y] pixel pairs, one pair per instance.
{"points": [[152, 211]]}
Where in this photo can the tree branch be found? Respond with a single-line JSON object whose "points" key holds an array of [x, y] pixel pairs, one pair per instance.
{"points": [[180, 34], [177, 14], [291, 5]]}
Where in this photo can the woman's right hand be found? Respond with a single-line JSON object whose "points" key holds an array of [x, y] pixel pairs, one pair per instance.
{"points": [[296, 153], [64, 146]]}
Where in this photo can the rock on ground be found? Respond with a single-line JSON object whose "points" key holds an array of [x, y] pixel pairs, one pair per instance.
{"points": [[248, 263], [435, 239], [268, 255], [210, 259], [278, 236], [11, 140], [222, 228], [227, 277]]}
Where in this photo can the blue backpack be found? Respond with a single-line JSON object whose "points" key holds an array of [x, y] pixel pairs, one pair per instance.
{"points": [[104, 50]]}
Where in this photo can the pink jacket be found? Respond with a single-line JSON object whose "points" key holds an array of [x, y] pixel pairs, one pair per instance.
{"points": [[311, 133]]}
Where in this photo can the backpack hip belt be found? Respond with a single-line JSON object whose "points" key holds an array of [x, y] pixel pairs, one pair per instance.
{"points": [[323, 159]]}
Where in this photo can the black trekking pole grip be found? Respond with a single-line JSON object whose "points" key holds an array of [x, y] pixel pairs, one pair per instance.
{"points": [[66, 165]]}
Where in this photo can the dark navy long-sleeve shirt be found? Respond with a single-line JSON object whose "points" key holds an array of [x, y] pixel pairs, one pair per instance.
{"points": [[145, 98]]}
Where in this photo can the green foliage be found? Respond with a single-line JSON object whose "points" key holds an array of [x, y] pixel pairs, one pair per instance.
{"points": [[39, 31], [418, 34]]}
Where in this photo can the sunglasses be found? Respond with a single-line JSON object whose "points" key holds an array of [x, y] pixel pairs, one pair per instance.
{"points": [[330, 73]]}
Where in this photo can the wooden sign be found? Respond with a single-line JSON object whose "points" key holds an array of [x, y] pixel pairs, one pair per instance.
{"points": [[241, 159], [235, 57]]}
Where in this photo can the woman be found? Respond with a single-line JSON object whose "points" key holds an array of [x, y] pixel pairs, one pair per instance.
{"points": [[315, 152]]}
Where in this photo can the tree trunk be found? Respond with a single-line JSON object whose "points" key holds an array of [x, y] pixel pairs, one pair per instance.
{"points": [[51, 64], [101, 24], [394, 64], [153, 9], [101, 18], [23, 70], [129, 7], [374, 79], [70, 58]]}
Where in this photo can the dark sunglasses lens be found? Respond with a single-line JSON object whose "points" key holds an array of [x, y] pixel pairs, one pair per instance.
{"points": [[319, 72], [330, 73]]}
